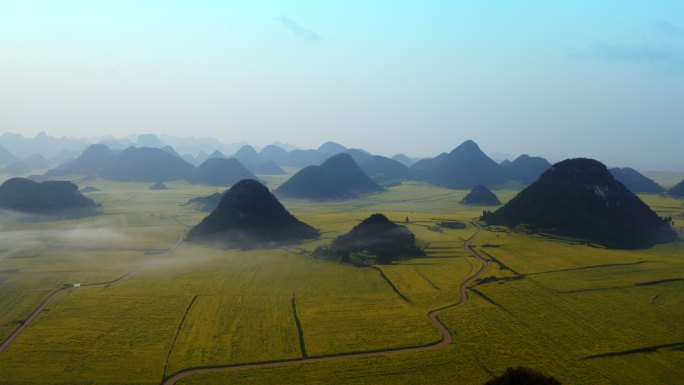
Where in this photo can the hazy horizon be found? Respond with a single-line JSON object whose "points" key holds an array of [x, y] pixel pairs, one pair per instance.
{"points": [[582, 79]]}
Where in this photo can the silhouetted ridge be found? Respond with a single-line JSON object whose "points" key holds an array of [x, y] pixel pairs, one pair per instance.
{"points": [[90, 163], [376, 239], [303, 158], [381, 168], [149, 140], [216, 155], [348, 174], [358, 155], [55, 198], [481, 195], [580, 198], [65, 156], [203, 156], [6, 157], [403, 159], [16, 168], [220, 172], [313, 183], [206, 203], [268, 167], [146, 165], [635, 181], [331, 148], [464, 167], [247, 154], [525, 168], [248, 216], [339, 177], [158, 186], [274, 153], [678, 190], [37, 162]]}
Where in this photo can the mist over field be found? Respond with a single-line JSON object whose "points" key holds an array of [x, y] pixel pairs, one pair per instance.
{"points": [[15, 242], [352, 193]]}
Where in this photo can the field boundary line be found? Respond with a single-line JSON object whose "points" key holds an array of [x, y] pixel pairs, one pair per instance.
{"points": [[391, 284], [426, 279], [300, 329], [433, 316], [645, 349], [592, 267], [175, 337], [6, 344]]}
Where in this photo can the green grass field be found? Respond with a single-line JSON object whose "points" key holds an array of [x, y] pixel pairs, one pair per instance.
{"points": [[195, 306]]}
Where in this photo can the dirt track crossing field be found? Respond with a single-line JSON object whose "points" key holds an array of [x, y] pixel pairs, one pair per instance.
{"points": [[433, 316], [6, 344]]}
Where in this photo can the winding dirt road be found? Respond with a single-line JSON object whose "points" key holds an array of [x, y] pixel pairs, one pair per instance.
{"points": [[433, 316], [6, 344]]}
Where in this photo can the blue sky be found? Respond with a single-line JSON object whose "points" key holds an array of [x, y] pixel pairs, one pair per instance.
{"points": [[603, 79]]}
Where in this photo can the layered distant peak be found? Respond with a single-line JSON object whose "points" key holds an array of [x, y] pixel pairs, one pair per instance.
{"points": [[343, 169], [146, 165], [220, 172], [6, 157], [678, 190], [339, 177], [464, 167], [90, 163], [358, 155], [268, 167], [37, 162], [96, 152], [216, 155], [331, 148], [149, 140], [249, 216], [274, 153], [171, 151], [580, 198], [403, 159], [158, 186], [314, 183], [466, 147], [635, 181], [525, 168], [247, 154], [65, 156], [381, 168], [202, 157], [481, 195]]}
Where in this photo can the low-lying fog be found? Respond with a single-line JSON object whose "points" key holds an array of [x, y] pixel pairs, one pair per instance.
{"points": [[14, 242]]}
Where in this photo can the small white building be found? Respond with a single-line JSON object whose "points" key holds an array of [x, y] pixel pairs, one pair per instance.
{"points": [[77, 285]]}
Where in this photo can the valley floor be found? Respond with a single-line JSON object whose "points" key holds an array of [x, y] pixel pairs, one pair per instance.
{"points": [[583, 314]]}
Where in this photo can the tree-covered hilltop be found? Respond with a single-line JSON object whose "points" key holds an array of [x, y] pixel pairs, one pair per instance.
{"points": [[581, 198]]}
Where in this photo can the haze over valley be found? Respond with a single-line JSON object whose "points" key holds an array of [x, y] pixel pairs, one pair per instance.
{"points": [[387, 192]]}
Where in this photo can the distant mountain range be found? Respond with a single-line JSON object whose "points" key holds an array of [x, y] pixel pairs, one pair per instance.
{"points": [[462, 168], [151, 165], [635, 181]]}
